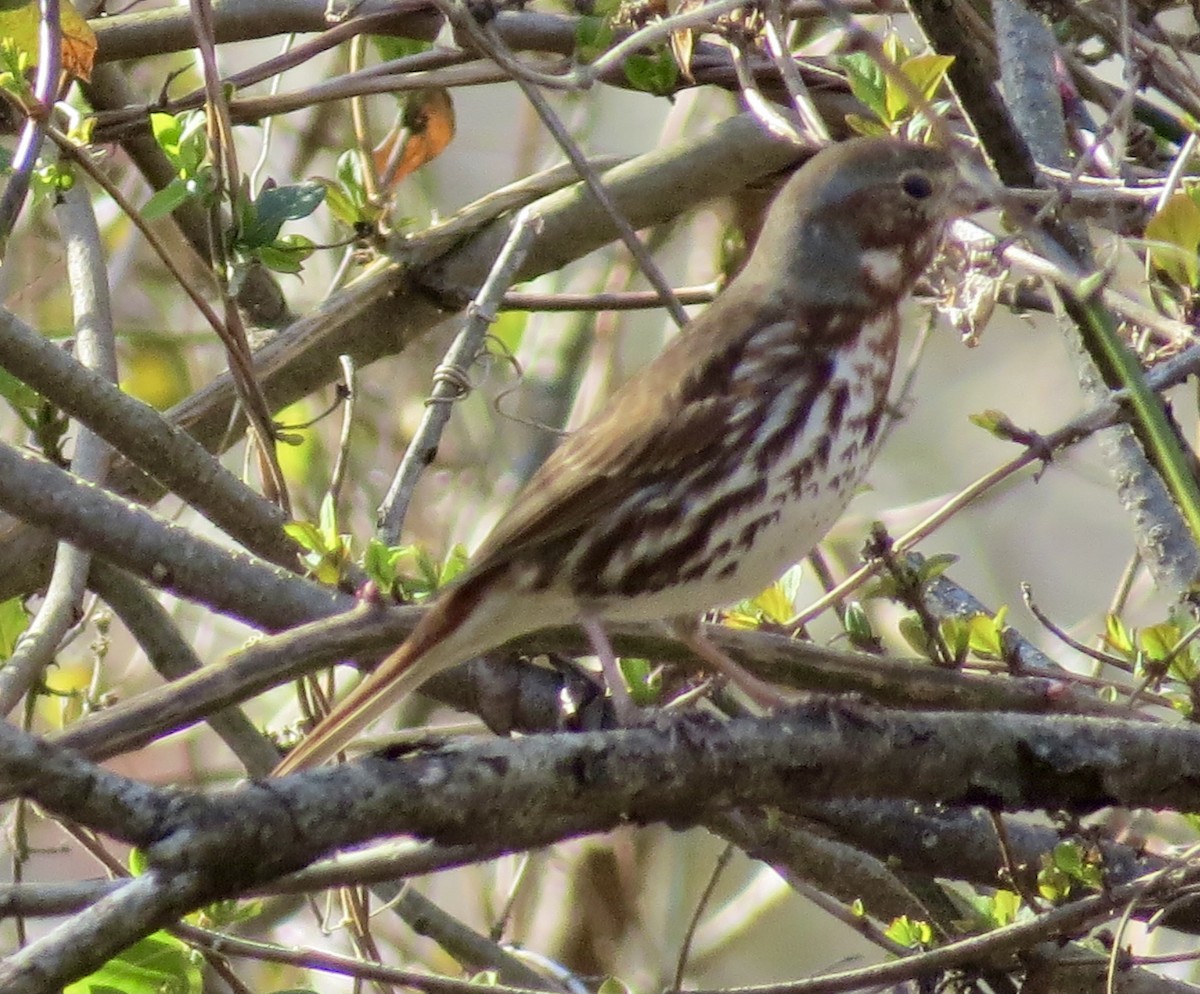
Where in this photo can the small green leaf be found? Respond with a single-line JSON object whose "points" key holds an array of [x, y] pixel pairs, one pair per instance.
{"points": [[167, 130], [1118, 637], [657, 74], [307, 535], [857, 625], [913, 633], [593, 37], [1173, 235], [138, 863], [382, 564], [276, 205], [454, 564], [774, 605], [925, 72], [991, 421], [1079, 863], [956, 633], [166, 200], [914, 934], [341, 205], [894, 49], [867, 82], [14, 619], [158, 964], [865, 126], [1005, 905], [19, 395], [987, 634], [327, 520], [1159, 641], [286, 254], [643, 680], [390, 48]]}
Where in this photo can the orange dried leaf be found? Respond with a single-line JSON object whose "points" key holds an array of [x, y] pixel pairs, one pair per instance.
{"points": [[19, 24], [428, 127]]}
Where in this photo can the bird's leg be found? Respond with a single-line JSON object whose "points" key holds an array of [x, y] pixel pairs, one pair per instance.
{"points": [[626, 710], [689, 632]]}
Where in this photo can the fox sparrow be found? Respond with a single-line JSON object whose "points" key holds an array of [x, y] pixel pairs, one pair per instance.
{"points": [[727, 458]]}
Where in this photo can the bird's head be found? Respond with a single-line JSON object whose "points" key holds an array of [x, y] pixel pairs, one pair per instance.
{"points": [[860, 220]]}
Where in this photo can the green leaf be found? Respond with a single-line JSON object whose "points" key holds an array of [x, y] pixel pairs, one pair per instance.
{"points": [[286, 254], [925, 72], [1079, 863], [867, 82], [19, 395], [1159, 641], [1118, 637], [455, 563], [307, 535], [167, 130], [1005, 905], [991, 421], [987, 634], [399, 48], [166, 200], [657, 74], [643, 680], [914, 934], [327, 520], [934, 566], [894, 48], [865, 126], [158, 964], [276, 205], [913, 633], [14, 619], [857, 624], [138, 863], [382, 564], [593, 36], [956, 633], [774, 605], [349, 174], [1173, 235], [341, 205]]}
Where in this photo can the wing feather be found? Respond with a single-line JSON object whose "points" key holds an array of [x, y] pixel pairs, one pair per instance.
{"points": [[666, 415]]}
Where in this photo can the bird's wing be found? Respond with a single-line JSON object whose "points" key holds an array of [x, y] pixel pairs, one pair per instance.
{"points": [[666, 415]]}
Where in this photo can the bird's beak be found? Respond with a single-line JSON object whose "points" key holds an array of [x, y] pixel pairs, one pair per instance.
{"points": [[975, 189]]}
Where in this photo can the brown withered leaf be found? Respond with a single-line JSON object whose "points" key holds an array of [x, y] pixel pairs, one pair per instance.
{"points": [[425, 129]]}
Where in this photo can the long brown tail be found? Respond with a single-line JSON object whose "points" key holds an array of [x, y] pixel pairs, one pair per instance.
{"points": [[441, 639]]}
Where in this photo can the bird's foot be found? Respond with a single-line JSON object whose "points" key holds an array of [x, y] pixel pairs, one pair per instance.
{"points": [[626, 711], [759, 691]]}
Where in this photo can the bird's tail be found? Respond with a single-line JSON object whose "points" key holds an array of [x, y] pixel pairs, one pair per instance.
{"points": [[442, 638]]}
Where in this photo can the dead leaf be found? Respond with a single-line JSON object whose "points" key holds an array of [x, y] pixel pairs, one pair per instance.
{"points": [[425, 129], [19, 24]]}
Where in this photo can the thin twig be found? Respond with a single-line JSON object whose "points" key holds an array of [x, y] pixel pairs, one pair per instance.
{"points": [[489, 42], [95, 347], [1104, 415], [33, 133], [349, 394], [450, 381]]}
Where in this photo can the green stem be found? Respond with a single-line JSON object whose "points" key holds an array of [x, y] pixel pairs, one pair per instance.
{"points": [[1123, 371]]}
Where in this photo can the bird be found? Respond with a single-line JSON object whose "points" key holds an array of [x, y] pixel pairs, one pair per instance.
{"points": [[723, 461]]}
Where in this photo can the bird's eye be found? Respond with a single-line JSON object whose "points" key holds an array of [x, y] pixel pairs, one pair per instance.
{"points": [[916, 185]]}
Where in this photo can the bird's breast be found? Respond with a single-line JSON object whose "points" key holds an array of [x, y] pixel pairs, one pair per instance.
{"points": [[792, 458]]}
